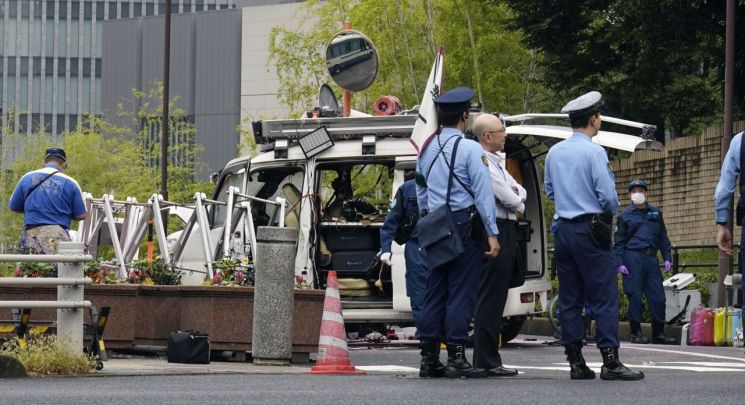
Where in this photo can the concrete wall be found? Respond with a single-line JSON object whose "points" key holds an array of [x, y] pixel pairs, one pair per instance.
{"points": [[681, 181]]}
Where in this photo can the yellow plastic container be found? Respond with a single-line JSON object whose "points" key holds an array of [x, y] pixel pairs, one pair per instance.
{"points": [[720, 327]]}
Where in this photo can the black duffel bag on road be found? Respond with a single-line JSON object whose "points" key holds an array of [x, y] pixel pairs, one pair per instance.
{"points": [[188, 347]]}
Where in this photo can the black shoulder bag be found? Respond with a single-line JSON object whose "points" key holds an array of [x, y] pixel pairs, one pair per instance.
{"points": [[601, 230], [437, 231]]}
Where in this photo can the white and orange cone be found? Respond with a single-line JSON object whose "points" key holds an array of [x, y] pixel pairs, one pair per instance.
{"points": [[333, 355]]}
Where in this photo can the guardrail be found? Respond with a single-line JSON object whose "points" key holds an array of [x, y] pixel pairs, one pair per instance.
{"points": [[70, 289]]}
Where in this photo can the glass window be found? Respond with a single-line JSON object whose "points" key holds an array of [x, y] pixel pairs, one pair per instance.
{"points": [[112, 10], [35, 121], [149, 9], [73, 122], [224, 6], [37, 66], [12, 9], [24, 66], [11, 66], [62, 9], [138, 10], [75, 10], [187, 7], [2, 13], [100, 10], [98, 67], [48, 122], [49, 68], [87, 10], [50, 10], [200, 5], [87, 67], [125, 10], [37, 8], [36, 94], [73, 66], [60, 123], [61, 67], [211, 6], [25, 9]]}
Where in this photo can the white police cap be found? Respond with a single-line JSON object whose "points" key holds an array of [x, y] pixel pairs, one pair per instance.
{"points": [[584, 104]]}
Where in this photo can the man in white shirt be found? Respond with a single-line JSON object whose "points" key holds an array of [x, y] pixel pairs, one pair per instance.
{"points": [[496, 274]]}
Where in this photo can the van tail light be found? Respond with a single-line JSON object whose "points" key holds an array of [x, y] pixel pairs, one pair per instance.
{"points": [[526, 297]]}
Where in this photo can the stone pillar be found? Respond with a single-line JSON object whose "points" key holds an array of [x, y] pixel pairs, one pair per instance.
{"points": [[274, 295], [70, 321]]}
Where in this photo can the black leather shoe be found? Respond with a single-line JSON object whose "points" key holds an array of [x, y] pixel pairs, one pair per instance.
{"points": [[501, 371], [613, 369], [639, 339], [431, 366]]}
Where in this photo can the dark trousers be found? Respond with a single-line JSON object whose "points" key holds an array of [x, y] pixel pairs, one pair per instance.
{"points": [[495, 284], [450, 297], [587, 275], [644, 278], [417, 271]]}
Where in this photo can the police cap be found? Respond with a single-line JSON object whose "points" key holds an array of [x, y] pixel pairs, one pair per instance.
{"points": [[455, 100], [56, 152], [586, 104], [638, 183]]}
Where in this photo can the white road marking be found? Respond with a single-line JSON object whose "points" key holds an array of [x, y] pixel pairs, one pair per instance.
{"points": [[711, 356], [392, 369]]}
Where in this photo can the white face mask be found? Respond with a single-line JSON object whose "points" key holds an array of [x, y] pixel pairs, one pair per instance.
{"points": [[638, 198]]}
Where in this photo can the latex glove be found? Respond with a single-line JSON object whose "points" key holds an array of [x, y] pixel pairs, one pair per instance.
{"points": [[623, 270], [385, 257], [668, 266]]}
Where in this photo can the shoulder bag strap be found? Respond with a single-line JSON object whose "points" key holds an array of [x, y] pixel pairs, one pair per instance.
{"points": [[440, 152], [452, 170], [38, 184]]}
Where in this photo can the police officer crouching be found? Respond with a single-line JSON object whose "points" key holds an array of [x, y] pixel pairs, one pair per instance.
{"points": [[640, 234], [578, 179], [452, 287]]}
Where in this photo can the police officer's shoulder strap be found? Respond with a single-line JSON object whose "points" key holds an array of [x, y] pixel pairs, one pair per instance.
{"points": [[38, 184]]}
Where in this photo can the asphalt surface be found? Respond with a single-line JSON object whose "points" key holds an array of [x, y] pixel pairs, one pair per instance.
{"points": [[674, 375]]}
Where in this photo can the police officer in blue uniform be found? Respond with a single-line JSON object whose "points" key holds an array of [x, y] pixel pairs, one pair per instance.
{"points": [[398, 226], [640, 234], [731, 169], [578, 179], [452, 288]]}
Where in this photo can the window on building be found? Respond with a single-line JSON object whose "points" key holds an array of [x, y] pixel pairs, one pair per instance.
{"points": [[37, 66], [11, 66], [125, 10], [12, 9], [150, 9], [100, 8], [48, 122], [48, 69], [200, 5], [112, 10], [62, 9], [61, 67], [73, 66], [87, 10], [98, 67], [37, 8], [75, 10], [73, 122], [24, 65], [211, 6], [50, 9], [87, 67], [60, 123], [187, 7]]}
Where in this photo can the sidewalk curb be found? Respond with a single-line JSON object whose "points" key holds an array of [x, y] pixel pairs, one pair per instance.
{"points": [[542, 327]]}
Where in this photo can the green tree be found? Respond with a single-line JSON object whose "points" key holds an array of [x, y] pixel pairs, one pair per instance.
{"points": [[481, 51], [655, 61]]}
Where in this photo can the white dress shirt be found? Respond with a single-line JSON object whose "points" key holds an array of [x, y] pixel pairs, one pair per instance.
{"points": [[510, 195]]}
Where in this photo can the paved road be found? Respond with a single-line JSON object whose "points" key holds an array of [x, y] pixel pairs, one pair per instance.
{"points": [[674, 375]]}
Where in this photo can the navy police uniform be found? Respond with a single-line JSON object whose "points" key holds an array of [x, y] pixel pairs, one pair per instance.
{"points": [[640, 234], [579, 180], [451, 292], [404, 208]]}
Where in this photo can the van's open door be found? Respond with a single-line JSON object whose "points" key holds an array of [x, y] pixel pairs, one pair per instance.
{"points": [[637, 135]]}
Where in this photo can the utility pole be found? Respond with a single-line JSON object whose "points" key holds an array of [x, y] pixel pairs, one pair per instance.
{"points": [[164, 135], [725, 261]]}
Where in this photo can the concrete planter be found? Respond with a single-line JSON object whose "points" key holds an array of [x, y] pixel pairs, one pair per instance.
{"points": [[145, 315]]}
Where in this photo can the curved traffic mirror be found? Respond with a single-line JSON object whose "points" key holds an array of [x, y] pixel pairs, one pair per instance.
{"points": [[351, 60]]}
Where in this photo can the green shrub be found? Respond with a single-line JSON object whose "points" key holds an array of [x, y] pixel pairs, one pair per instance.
{"points": [[47, 356]]}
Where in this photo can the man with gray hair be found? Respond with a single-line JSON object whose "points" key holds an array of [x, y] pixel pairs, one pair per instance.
{"points": [[499, 273]]}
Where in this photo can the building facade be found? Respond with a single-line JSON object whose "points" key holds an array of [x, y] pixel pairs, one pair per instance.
{"points": [[51, 56]]}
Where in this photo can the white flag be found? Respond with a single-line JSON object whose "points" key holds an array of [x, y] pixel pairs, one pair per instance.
{"points": [[426, 124]]}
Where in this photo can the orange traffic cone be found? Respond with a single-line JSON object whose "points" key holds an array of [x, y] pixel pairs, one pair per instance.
{"points": [[333, 355]]}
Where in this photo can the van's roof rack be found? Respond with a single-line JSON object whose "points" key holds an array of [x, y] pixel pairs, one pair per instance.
{"points": [[647, 130], [389, 126]]}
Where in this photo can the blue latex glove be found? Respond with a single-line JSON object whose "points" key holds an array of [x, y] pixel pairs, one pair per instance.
{"points": [[623, 270], [668, 266]]}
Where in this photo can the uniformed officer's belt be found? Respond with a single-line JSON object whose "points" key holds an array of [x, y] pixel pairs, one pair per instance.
{"points": [[506, 221], [581, 218], [647, 251]]}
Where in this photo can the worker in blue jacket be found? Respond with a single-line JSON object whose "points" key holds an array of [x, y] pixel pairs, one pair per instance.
{"points": [[640, 234]]}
